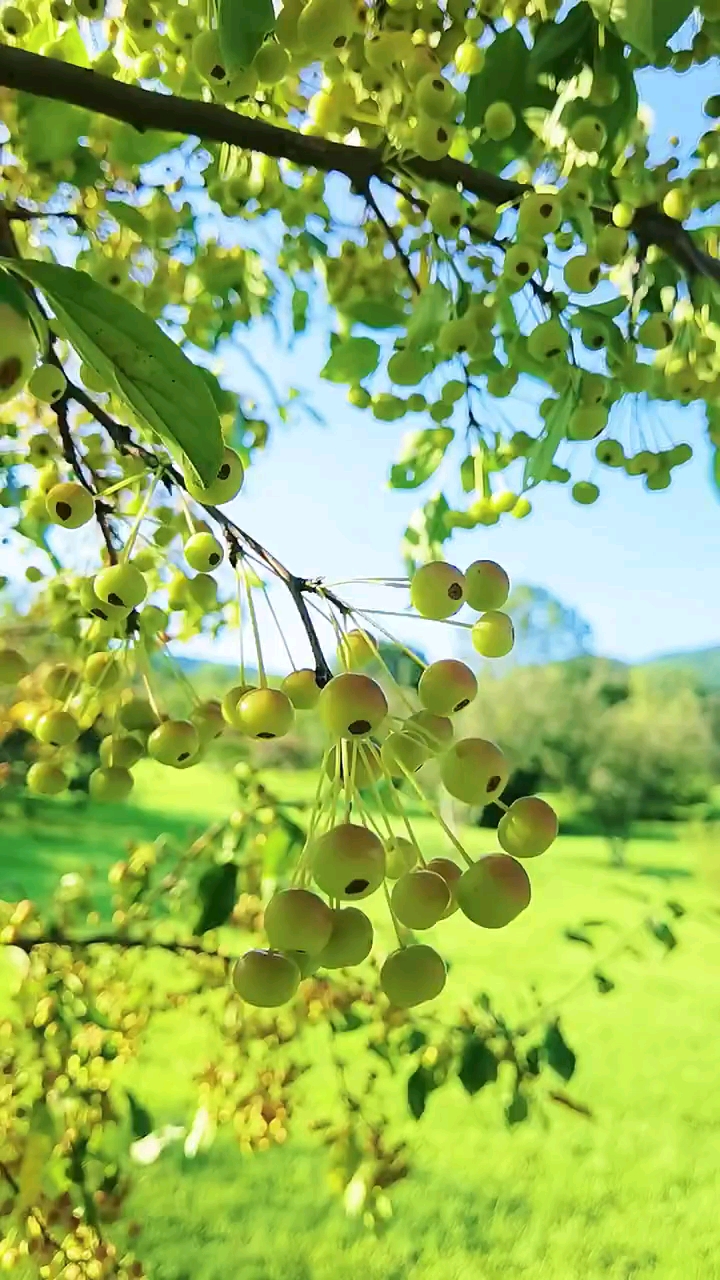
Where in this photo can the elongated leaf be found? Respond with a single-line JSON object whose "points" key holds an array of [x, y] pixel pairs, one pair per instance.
{"points": [[560, 46], [422, 453], [505, 77], [419, 1086], [478, 1066], [648, 24], [19, 299], [517, 1109], [155, 379], [140, 1118], [242, 27], [218, 890], [540, 459], [373, 314]]}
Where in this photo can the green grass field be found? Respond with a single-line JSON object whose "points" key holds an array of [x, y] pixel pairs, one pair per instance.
{"points": [[632, 1192]]}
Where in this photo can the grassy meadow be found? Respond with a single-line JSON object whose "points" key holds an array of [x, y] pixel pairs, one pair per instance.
{"points": [[631, 1192]]}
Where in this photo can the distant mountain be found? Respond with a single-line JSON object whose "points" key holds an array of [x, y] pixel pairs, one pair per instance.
{"points": [[703, 664]]}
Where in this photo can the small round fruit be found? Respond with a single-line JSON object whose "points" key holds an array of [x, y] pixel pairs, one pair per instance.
{"points": [[356, 650], [45, 779], [226, 485], [302, 689], [474, 771], [677, 204], [18, 351], [493, 891], [412, 975], [493, 635], [101, 670], [363, 764], [348, 861], [47, 383], [70, 505], [12, 666], [266, 713], [582, 273], [352, 705], [137, 714], [499, 121], [420, 898], [230, 704], [111, 784], [401, 753], [447, 686], [487, 586], [60, 680], [203, 552], [401, 855], [589, 133], [121, 585], [307, 964], [585, 492], [265, 979], [208, 720], [528, 828], [298, 920], [120, 751], [435, 732], [656, 332], [547, 341], [451, 873], [57, 729], [350, 941], [174, 742], [437, 590]]}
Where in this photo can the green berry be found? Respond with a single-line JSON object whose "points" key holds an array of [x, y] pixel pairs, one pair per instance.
{"points": [[528, 828], [45, 779], [585, 493], [12, 666], [266, 713], [474, 770], [298, 920], [203, 552], [266, 979], [447, 686], [493, 635], [356, 650], [350, 941], [412, 975], [302, 689], [120, 751], [110, 785], [434, 731], [487, 585], [69, 504], [493, 891], [401, 753], [499, 121], [401, 855], [348, 862], [437, 590], [174, 742], [420, 898], [450, 872], [228, 479], [57, 729], [121, 586], [589, 133], [352, 705]]}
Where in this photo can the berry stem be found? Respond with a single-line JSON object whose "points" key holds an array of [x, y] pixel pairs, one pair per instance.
{"points": [[435, 813], [254, 625]]}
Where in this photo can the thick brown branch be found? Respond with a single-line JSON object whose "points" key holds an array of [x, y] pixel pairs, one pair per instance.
{"points": [[145, 109]]}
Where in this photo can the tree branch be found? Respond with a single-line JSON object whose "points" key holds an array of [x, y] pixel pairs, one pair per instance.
{"points": [[145, 109], [392, 236], [114, 940]]}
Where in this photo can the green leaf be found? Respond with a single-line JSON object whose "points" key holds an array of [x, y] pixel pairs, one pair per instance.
{"points": [[664, 934], [151, 374], [478, 1066], [140, 1119], [648, 24], [43, 144], [300, 302], [518, 1108], [433, 307], [540, 458], [217, 892], [374, 315], [427, 531], [417, 1039], [558, 1053], [422, 453], [559, 47], [129, 147], [352, 359], [13, 295], [604, 984], [242, 28], [419, 1085]]}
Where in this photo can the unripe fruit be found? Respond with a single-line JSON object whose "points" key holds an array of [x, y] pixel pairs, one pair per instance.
{"points": [[589, 133], [203, 552], [208, 720], [401, 855], [487, 585], [120, 751], [350, 941], [437, 590], [656, 332], [435, 97], [202, 589], [59, 681], [271, 63], [57, 729], [298, 920], [474, 771], [228, 479], [402, 754], [493, 635], [450, 872], [430, 138], [174, 742], [611, 245], [18, 350], [137, 714], [110, 785], [266, 713], [521, 262], [419, 899], [587, 422], [540, 214], [69, 504], [547, 341], [363, 763], [207, 58], [302, 689], [45, 779], [585, 492], [610, 453], [469, 58], [356, 650], [528, 828], [493, 891], [230, 704], [348, 861], [121, 585], [101, 670], [12, 666], [582, 273], [265, 979], [499, 121], [677, 204], [47, 383], [447, 686], [15, 22], [623, 215], [352, 705], [434, 731], [412, 975]]}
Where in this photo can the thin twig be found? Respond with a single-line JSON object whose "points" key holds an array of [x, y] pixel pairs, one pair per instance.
{"points": [[392, 236]]}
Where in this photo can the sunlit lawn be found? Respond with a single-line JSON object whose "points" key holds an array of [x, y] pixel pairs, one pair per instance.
{"points": [[633, 1192]]}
